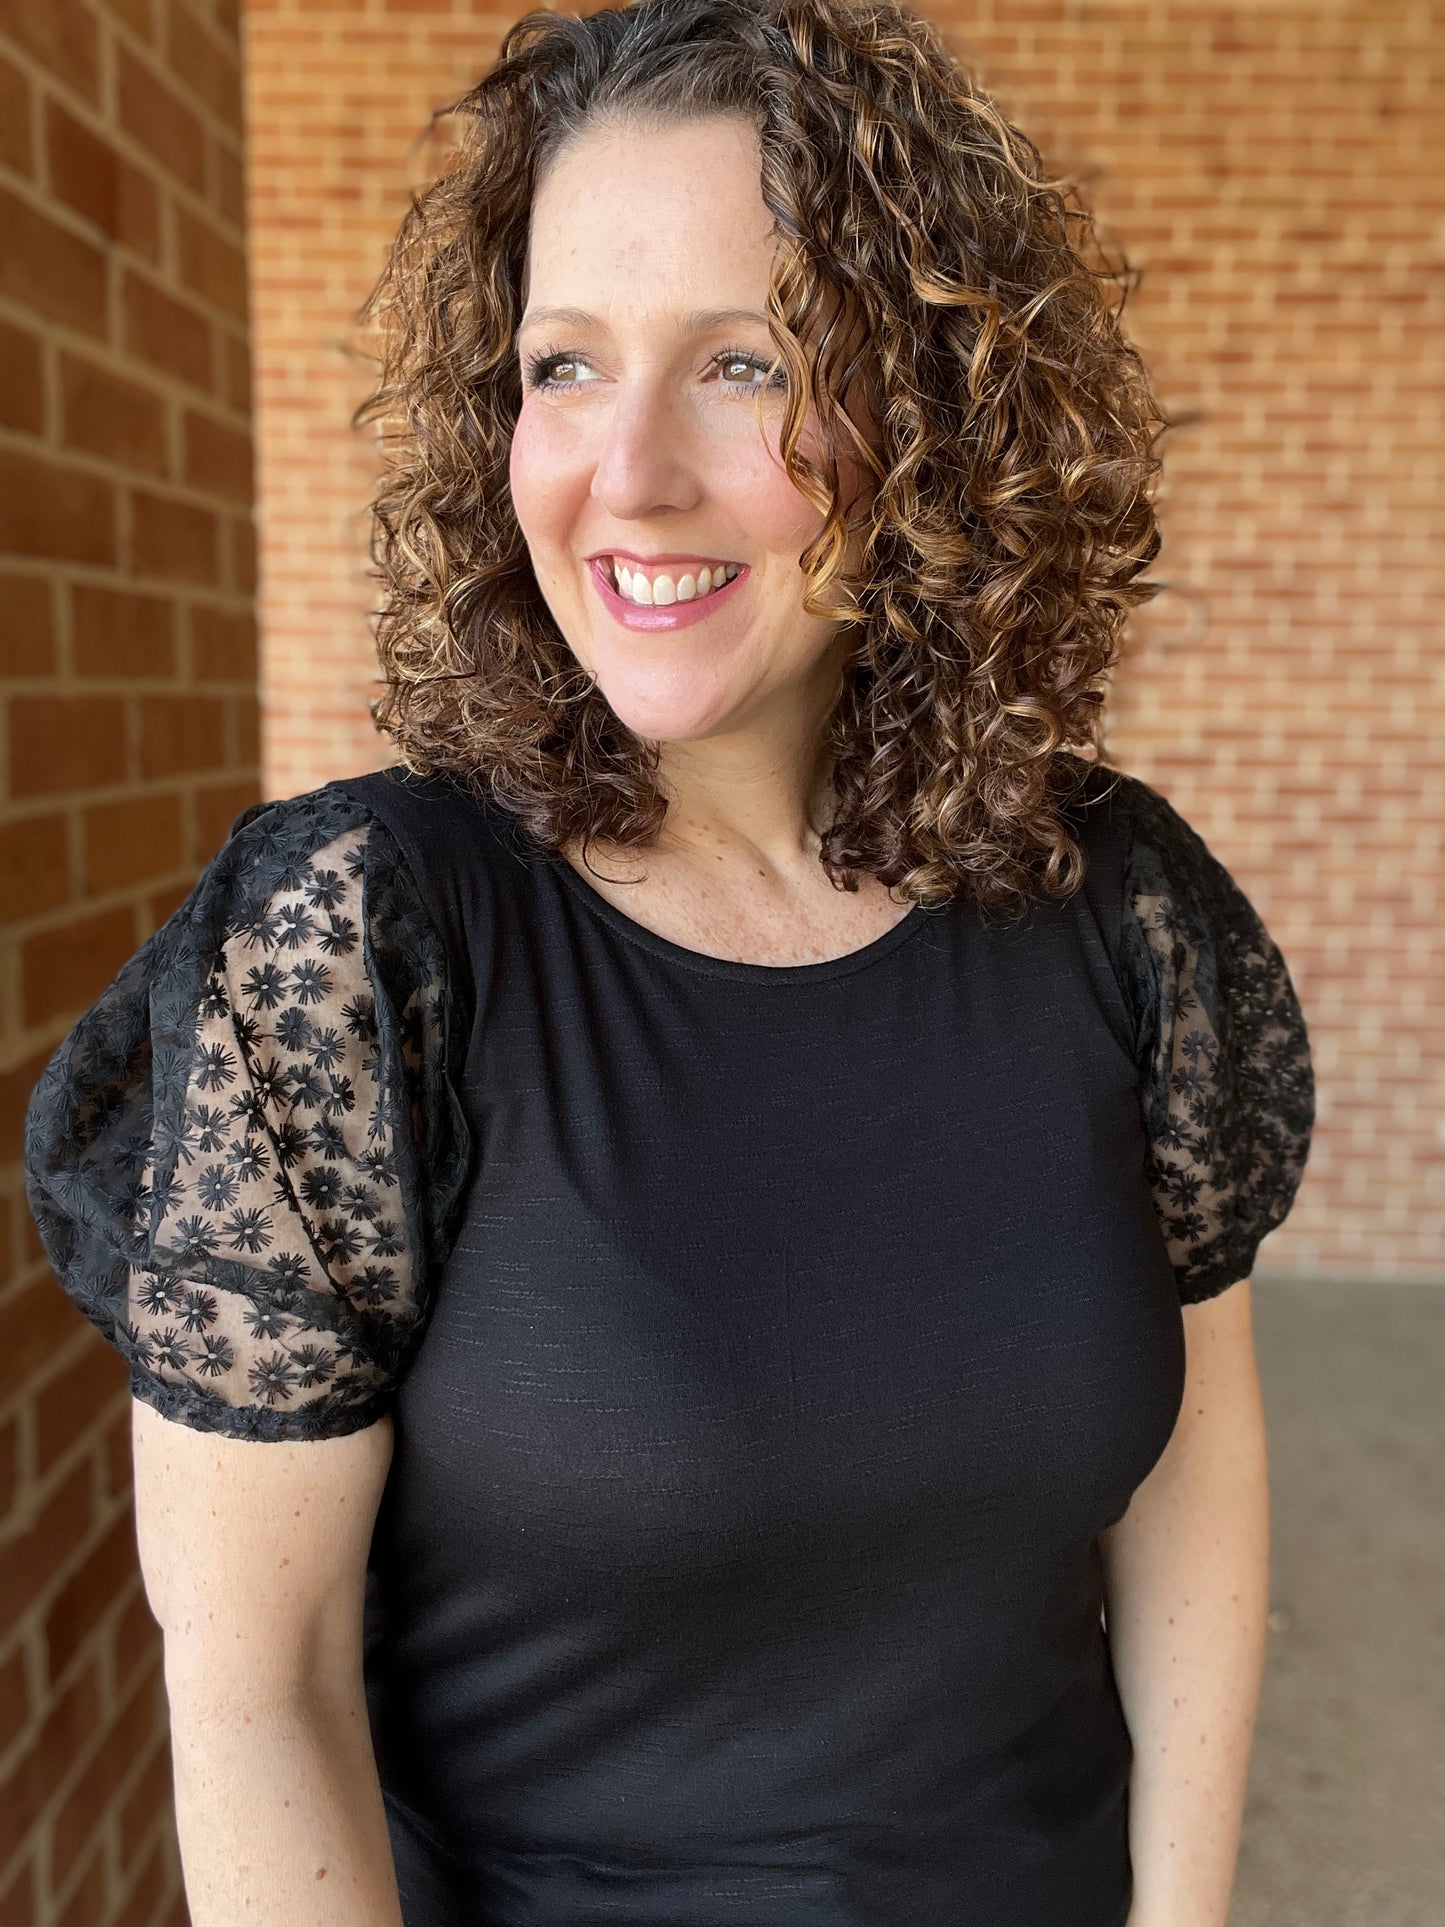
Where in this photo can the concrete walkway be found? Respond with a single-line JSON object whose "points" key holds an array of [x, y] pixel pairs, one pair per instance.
{"points": [[1345, 1823]]}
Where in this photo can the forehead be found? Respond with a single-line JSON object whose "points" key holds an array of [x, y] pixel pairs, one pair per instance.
{"points": [[624, 209]]}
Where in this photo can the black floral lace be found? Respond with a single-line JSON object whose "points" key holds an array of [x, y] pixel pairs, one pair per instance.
{"points": [[245, 1160], [1224, 1063]]}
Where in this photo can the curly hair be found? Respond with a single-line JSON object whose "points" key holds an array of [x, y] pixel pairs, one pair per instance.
{"points": [[924, 261]]}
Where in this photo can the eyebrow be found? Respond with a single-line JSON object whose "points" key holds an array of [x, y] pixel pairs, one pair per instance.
{"points": [[696, 322]]}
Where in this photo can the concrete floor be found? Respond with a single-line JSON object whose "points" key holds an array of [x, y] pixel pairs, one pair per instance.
{"points": [[1345, 1822]]}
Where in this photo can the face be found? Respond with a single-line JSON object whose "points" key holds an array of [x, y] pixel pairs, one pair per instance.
{"points": [[639, 436]]}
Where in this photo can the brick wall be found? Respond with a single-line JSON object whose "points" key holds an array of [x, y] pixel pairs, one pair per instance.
{"points": [[129, 741], [1275, 170]]}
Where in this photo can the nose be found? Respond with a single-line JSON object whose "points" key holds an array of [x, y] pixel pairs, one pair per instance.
{"points": [[644, 463]]}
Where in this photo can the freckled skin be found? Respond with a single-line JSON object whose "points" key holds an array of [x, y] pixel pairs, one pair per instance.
{"points": [[654, 451]]}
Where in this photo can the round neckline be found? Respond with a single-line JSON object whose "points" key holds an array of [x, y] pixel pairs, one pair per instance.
{"points": [[824, 969]]}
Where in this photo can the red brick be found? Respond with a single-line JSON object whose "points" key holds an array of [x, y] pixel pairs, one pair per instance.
{"points": [[34, 866], [181, 733], [88, 1902], [213, 268], [138, 15], [61, 35], [72, 1402], [216, 810], [9, 1471], [27, 628], [41, 1320], [218, 458], [174, 541], [90, 176], [161, 905], [14, 1699], [64, 971], [34, 1555], [17, 1900], [231, 187], [157, 116], [50, 268], [60, 743], [116, 1456], [151, 1795], [137, 1638], [236, 361], [48, 509], [22, 381], [89, 1593], [243, 554], [223, 645], [17, 144], [119, 634], [138, 1909], [128, 1735], [16, 1085], [209, 68], [167, 333], [106, 415], [246, 730], [129, 841]]}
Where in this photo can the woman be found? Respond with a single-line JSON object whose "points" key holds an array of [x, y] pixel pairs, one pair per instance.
{"points": [[684, 1251]]}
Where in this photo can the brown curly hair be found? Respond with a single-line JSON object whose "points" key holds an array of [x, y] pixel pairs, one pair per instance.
{"points": [[926, 263]]}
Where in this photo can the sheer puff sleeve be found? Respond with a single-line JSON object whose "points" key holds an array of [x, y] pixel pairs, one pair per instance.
{"points": [[243, 1160], [1221, 1046]]}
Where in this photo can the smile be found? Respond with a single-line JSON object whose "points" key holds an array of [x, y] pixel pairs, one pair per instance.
{"points": [[689, 597], [659, 588]]}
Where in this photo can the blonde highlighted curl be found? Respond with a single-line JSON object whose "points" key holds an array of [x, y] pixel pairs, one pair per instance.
{"points": [[927, 269]]}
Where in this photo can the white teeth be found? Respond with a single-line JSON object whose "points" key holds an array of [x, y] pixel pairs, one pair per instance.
{"points": [[661, 591]]}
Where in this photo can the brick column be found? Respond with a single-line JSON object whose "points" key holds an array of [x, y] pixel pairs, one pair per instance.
{"points": [[130, 741]]}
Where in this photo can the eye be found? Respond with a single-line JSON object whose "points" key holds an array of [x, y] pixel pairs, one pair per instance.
{"points": [[541, 371], [731, 358]]}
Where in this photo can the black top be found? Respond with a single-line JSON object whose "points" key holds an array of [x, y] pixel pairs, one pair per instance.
{"points": [[767, 1345]]}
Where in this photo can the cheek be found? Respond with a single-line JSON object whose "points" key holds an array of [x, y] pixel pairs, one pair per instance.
{"points": [[539, 473]]}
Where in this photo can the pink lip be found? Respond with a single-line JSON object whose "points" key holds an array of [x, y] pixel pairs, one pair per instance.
{"points": [[676, 615]]}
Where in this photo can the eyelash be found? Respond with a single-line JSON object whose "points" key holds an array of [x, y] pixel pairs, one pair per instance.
{"points": [[538, 364]]}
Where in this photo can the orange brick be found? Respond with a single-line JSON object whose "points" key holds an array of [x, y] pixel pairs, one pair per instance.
{"points": [[22, 381], [106, 415], [61, 35], [130, 840], [34, 865], [80, 1605], [17, 148], [47, 509], [48, 267], [65, 970], [218, 458], [181, 733], [223, 645], [27, 633], [33, 1557], [60, 743], [119, 634], [167, 333], [158, 117], [90, 176], [174, 540]]}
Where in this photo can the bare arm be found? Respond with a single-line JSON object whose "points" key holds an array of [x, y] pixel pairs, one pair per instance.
{"points": [[254, 1559], [1187, 1582]]}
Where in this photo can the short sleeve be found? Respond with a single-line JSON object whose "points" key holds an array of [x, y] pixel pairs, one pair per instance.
{"points": [[1222, 1050], [244, 1159]]}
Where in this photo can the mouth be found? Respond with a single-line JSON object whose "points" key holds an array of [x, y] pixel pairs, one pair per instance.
{"points": [[691, 591], [661, 584]]}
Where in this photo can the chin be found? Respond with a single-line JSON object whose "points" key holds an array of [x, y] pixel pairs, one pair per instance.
{"points": [[678, 707]]}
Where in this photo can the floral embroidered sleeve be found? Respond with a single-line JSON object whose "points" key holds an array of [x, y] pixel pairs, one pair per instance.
{"points": [[244, 1157], [1221, 1045]]}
